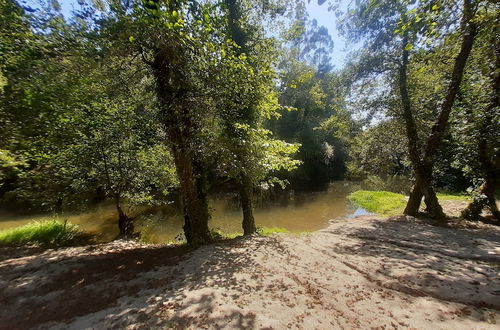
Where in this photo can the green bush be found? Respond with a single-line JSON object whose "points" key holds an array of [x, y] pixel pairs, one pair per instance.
{"points": [[50, 232], [383, 202]]}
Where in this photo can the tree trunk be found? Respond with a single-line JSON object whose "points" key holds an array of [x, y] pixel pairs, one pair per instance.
{"points": [[194, 199], [181, 127], [491, 172], [421, 186], [246, 196], [486, 197], [433, 208], [489, 167], [469, 29], [414, 200], [125, 223]]}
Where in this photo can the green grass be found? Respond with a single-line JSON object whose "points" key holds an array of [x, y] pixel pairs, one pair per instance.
{"points": [[268, 231], [453, 197], [50, 232], [383, 202], [388, 203], [218, 234]]}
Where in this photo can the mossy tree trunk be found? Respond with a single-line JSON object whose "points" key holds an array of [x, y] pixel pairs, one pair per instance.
{"points": [[172, 88]]}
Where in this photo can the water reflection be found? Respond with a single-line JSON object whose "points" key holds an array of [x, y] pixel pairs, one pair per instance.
{"points": [[303, 212]]}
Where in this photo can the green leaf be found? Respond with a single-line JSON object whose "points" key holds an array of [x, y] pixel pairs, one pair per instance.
{"points": [[408, 47]]}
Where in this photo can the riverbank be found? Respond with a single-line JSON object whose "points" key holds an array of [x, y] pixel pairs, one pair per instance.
{"points": [[367, 272], [389, 203]]}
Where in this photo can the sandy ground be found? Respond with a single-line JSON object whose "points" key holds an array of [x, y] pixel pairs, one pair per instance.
{"points": [[361, 273]]}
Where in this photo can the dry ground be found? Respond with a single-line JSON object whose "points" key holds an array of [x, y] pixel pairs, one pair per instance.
{"points": [[362, 273]]}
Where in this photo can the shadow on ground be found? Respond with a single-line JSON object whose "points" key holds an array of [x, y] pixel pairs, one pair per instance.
{"points": [[59, 285], [414, 257]]}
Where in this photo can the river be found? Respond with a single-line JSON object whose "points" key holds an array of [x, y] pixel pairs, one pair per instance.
{"points": [[303, 212]]}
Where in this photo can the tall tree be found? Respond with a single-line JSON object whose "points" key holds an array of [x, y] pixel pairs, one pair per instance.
{"points": [[247, 97], [393, 30], [481, 118], [423, 164], [247, 115], [172, 38]]}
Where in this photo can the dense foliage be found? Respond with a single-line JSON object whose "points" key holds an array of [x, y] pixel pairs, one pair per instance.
{"points": [[146, 101]]}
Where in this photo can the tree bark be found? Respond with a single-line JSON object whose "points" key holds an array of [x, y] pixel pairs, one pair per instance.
{"points": [[194, 198], [491, 171], [422, 186], [416, 194], [246, 196], [469, 28], [415, 199]]}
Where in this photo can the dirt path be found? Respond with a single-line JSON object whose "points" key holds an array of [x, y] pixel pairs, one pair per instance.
{"points": [[357, 274]]}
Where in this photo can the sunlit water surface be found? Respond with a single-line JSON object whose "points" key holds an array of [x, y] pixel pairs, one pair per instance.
{"points": [[303, 212]]}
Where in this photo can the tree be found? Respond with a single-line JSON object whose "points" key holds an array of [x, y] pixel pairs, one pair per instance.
{"points": [[250, 99], [246, 113], [478, 119], [176, 42], [112, 149], [380, 150], [312, 99], [309, 42], [396, 29], [423, 166], [99, 136]]}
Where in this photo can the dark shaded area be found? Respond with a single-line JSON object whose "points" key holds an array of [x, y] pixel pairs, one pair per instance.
{"points": [[82, 272], [78, 290]]}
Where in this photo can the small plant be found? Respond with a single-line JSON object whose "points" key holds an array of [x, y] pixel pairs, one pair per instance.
{"points": [[50, 232]]}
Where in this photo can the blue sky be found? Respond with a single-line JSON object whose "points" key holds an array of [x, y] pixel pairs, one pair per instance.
{"points": [[320, 13], [328, 19]]}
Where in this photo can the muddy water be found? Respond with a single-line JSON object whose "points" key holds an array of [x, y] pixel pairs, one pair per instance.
{"points": [[304, 212]]}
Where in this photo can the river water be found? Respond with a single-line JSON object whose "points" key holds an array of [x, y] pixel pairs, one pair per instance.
{"points": [[303, 212]]}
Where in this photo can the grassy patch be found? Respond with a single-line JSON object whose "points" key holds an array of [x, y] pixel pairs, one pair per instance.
{"points": [[383, 202], [453, 197], [218, 234], [263, 231], [267, 231], [50, 232]]}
